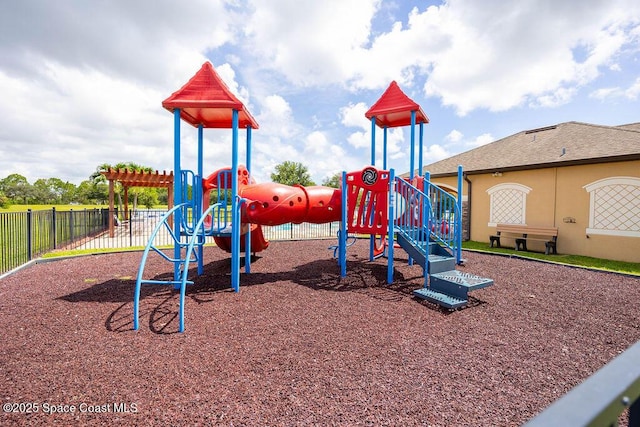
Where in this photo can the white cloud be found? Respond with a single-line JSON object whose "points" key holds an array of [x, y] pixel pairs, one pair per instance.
{"points": [[492, 55], [503, 54], [276, 118], [435, 152], [228, 76], [485, 138], [631, 93], [316, 143], [310, 42], [454, 136], [359, 139], [308, 71], [353, 115]]}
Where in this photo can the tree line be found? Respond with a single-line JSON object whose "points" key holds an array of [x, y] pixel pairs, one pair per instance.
{"points": [[16, 190]]}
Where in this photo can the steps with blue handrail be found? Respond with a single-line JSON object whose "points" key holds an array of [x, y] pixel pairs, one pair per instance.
{"points": [[429, 246], [444, 285]]}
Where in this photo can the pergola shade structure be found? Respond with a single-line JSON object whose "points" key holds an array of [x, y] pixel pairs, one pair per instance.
{"points": [[130, 179]]}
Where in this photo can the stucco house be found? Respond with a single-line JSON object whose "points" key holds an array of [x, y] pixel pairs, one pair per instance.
{"points": [[582, 178]]}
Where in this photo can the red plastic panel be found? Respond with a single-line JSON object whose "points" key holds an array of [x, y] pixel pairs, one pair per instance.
{"points": [[368, 201]]}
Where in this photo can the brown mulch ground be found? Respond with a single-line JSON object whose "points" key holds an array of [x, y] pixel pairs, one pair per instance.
{"points": [[298, 345]]}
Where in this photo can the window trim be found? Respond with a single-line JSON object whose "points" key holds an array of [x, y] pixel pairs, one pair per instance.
{"points": [[607, 182], [508, 186]]}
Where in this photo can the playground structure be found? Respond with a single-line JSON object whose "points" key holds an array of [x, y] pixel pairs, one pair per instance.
{"points": [[229, 206]]}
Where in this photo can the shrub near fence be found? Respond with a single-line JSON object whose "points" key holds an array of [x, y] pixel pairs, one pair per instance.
{"points": [[27, 235]]}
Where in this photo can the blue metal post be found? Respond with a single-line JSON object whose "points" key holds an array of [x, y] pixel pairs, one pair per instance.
{"points": [[458, 233], [420, 152], [372, 238], [392, 215], [413, 144], [426, 219], [384, 149], [373, 141], [198, 197], [247, 242], [177, 192], [235, 228], [342, 234]]}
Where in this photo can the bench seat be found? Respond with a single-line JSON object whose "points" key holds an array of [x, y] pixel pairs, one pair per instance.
{"points": [[521, 233]]}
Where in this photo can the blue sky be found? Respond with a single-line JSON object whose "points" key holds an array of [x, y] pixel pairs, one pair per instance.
{"points": [[82, 82]]}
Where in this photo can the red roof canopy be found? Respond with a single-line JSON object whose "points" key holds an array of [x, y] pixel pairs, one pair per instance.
{"points": [[394, 109], [205, 100]]}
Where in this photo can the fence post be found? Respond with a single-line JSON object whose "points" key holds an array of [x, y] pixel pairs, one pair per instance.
{"points": [[53, 228], [29, 234], [72, 236]]}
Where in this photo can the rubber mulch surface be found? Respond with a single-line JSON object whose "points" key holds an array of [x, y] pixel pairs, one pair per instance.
{"points": [[299, 345]]}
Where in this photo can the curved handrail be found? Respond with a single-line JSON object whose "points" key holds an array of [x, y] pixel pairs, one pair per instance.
{"points": [[143, 262], [187, 259]]}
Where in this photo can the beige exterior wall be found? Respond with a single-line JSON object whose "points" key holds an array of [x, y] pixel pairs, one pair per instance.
{"points": [[557, 197]]}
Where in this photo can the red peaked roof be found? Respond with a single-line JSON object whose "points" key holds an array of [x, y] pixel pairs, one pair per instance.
{"points": [[394, 109], [205, 100]]}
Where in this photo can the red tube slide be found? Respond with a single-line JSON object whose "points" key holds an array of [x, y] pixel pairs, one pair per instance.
{"points": [[274, 204]]}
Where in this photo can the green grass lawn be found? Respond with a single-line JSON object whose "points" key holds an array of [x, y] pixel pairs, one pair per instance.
{"points": [[24, 208], [577, 260]]}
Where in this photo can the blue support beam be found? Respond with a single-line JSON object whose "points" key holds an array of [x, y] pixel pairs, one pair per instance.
{"points": [[235, 229], [198, 196], [342, 235], [420, 151], [373, 141], [247, 242], [390, 236], [384, 148], [458, 225], [177, 191], [413, 144]]}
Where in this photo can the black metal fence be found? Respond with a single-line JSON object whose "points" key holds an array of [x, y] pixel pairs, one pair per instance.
{"points": [[28, 235]]}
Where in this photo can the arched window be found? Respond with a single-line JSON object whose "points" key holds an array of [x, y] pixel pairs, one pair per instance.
{"points": [[614, 207], [508, 204]]}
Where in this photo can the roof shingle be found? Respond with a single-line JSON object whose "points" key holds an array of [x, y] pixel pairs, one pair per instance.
{"points": [[562, 144]]}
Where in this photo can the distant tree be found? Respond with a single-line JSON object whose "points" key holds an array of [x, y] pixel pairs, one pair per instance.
{"points": [[4, 201], [52, 191], [16, 188], [89, 192], [163, 196], [291, 173], [149, 198], [42, 194], [64, 191], [333, 181]]}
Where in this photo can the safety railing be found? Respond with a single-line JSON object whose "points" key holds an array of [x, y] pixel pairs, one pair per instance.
{"points": [[429, 211], [413, 212]]}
